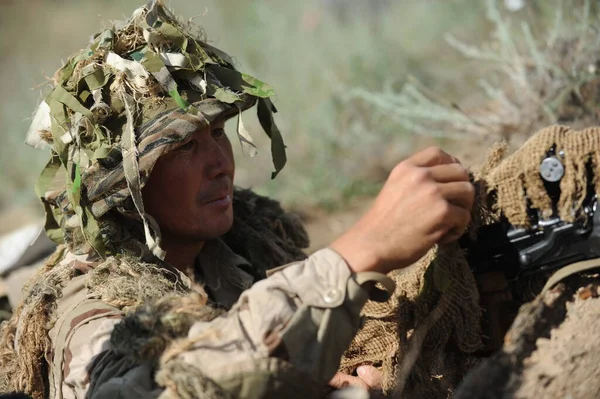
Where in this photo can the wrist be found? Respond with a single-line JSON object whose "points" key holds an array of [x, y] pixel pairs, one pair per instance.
{"points": [[357, 256]]}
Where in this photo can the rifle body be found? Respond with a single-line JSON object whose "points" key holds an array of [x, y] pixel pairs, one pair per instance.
{"points": [[505, 258], [548, 245]]}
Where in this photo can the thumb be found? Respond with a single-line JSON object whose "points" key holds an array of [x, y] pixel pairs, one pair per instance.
{"points": [[372, 376]]}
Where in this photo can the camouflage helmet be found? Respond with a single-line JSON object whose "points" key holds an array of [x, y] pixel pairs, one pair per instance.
{"points": [[139, 89]]}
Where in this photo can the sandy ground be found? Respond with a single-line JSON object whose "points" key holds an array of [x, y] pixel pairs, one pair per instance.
{"points": [[565, 365]]}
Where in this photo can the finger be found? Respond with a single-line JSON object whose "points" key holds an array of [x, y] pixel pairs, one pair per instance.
{"points": [[457, 221], [460, 193], [451, 236], [432, 156], [341, 380], [449, 173], [351, 392], [372, 376]]}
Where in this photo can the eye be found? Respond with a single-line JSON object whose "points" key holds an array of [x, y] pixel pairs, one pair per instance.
{"points": [[187, 146], [217, 133]]}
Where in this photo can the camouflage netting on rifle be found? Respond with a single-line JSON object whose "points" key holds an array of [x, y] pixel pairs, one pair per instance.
{"points": [[435, 305], [424, 336], [519, 185]]}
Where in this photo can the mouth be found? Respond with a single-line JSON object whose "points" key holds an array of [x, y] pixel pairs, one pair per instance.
{"points": [[219, 198], [221, 201]]}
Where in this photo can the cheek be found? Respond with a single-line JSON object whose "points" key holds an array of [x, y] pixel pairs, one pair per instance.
{"points": [[170, 192], [181, 190]]}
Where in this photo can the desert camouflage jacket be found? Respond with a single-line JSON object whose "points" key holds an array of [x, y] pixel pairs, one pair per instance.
{"points": [[282, 336]]}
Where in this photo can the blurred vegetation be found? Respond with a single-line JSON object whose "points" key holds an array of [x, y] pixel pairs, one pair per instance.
{"points": [[318, 54], [540, 69]]}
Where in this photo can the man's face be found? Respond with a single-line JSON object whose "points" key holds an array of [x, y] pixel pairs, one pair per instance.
{"points": [[190, 189]]}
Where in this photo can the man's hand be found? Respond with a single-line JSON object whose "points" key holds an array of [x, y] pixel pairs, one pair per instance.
{"points": [[427, 199], [369, 378]]}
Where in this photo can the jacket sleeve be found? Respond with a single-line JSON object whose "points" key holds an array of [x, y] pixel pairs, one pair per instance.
{"points": [[306, 314], [297, 322]]}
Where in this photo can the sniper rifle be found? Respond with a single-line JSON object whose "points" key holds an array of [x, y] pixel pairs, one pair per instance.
{"points": [[549, 244], [506, 258]]}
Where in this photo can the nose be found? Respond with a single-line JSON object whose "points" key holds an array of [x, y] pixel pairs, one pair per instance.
{"points": [[219, 159]]}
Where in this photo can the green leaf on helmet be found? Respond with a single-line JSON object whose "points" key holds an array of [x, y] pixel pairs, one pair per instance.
{"points": [[152, 62], [75, 189], [66, 71], [241, 82], [97, 79], [224, 95], [256, 87], [182, 103], [64, 97], [265, 116], [173, 35]]}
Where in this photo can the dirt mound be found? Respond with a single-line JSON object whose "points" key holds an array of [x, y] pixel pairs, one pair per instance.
{"points": [[551, 351]]}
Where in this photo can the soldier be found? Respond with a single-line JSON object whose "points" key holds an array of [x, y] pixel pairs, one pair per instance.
{"points": [[156, 288]]}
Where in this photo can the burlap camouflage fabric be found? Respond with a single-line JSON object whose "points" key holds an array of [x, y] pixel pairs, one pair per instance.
{"points": [[139, 89], [423, 338]]}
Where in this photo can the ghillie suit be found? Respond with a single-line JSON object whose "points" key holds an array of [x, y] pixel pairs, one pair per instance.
{"points": [[161, 301], [263, 232], [138, 91]]}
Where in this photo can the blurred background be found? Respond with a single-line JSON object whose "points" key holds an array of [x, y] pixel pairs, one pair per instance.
{"points": [[360, 84]]}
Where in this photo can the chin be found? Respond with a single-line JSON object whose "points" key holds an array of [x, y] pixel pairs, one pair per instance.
{"points": [[205, 225], [219, 226], [222, 229]]}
